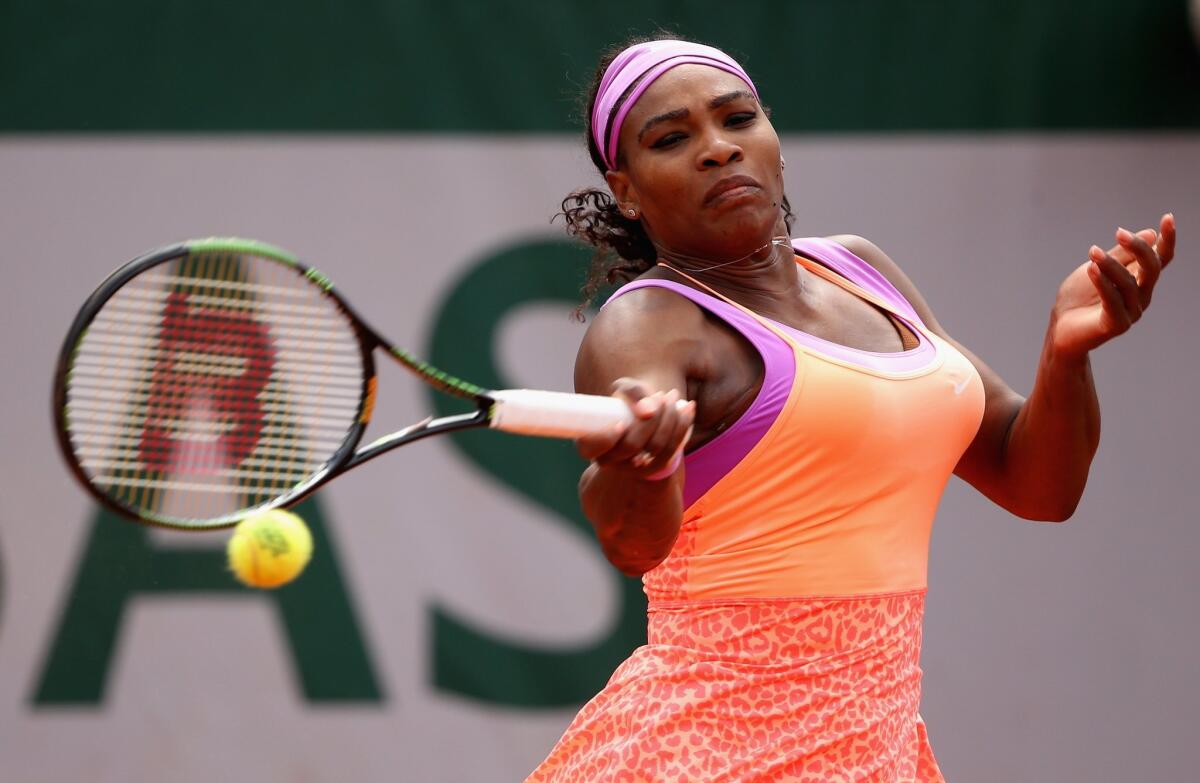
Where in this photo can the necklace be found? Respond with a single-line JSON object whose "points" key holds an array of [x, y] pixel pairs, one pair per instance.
{"points": [[671, 255]]}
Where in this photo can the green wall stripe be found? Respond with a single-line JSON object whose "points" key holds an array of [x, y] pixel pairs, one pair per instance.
{"points": [[503, 66]]}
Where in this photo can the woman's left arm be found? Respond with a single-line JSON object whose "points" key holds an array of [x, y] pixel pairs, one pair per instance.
{"points": [[1031, 456]]}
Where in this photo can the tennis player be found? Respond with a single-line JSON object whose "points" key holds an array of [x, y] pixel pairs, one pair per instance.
{"points": [[780, 518]]}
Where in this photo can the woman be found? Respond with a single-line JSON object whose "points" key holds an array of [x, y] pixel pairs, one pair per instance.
{"points": [[784, 556]]}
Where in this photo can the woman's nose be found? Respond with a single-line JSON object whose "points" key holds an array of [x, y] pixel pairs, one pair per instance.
{"points": [[718, 152]]}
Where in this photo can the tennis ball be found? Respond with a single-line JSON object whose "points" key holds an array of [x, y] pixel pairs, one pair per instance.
{"points": [[269, 549]]}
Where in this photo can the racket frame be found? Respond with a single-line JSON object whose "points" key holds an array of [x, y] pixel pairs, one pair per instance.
{"points": [[347, 456]]}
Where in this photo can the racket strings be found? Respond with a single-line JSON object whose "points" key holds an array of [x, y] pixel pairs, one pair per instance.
{"points": [[211, 384]]}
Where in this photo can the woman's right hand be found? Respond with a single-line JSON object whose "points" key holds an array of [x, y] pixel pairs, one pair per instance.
{"points": [[648, 447]]}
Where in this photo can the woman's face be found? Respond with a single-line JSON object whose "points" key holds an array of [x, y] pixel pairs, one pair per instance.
{"points": [[700, 162]]}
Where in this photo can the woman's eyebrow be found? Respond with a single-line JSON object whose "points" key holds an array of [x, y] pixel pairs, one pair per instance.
{"points": [[679, 114], [721, 100]]}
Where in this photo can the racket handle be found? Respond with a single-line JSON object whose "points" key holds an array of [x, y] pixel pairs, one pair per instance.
{"points": [[556, 414]]}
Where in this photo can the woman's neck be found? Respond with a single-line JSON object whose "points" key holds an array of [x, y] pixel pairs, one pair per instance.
{"points": [[761, 278]]}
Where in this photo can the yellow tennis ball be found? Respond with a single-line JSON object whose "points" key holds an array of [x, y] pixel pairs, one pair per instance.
{"points": [[269, 549]]}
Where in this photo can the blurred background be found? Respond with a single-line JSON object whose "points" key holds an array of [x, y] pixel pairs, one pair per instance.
{"points": [[457, 611]]}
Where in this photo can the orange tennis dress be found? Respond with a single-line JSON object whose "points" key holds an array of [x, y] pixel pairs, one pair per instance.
{"points": [[785, 625]]}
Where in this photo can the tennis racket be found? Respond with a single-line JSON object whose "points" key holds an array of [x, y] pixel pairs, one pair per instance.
{"points": [[215, 378]]}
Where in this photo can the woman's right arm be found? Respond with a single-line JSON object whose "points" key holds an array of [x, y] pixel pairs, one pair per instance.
{"points": [[643, 347]]}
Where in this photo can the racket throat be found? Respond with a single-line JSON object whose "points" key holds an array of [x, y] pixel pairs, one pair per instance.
{"points": [[423, 429]]}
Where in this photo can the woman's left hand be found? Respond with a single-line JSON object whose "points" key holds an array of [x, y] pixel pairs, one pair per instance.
{"points": [[1107, 294]]}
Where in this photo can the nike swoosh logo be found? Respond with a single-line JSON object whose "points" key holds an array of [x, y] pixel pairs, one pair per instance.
{"points": [[958, 387]]}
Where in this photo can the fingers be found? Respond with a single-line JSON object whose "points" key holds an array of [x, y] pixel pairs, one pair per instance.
{"points": [[1165, 247], [649, 412], [661, 425], [1117, 288], [1148, 261], [653, 439], [1117, 251], [664, 427], [662, 444], [592, 446]]}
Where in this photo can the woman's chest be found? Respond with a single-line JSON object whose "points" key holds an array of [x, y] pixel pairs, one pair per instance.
{"points": [[834, 315], [730, 376]]}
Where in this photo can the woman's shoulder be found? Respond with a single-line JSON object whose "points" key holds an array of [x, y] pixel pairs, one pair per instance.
{"points": [[647, 306], [646, 327], [651, 294], [865, 250]]}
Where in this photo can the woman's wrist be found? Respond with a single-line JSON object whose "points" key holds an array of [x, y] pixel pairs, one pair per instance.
{"points": [[670, 468]]}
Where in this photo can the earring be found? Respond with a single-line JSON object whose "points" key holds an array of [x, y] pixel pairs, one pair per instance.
{"points": [[631, 212]]}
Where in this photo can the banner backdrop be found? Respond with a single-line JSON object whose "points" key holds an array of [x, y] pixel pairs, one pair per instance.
{"points": [[518, 66], [457, 611]]}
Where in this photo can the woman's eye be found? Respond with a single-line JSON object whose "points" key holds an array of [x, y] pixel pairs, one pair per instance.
{"points": [[741, 118], [667, 141]]}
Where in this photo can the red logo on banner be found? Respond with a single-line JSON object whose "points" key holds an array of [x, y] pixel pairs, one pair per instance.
{"points": [[203, 411]]}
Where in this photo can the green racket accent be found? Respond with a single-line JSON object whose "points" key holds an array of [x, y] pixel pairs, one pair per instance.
{"points": [[238, 245], [319, 279], [442, 380]]}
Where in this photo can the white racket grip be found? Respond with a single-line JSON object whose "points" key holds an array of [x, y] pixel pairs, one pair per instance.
{"points": [[556, 414]]}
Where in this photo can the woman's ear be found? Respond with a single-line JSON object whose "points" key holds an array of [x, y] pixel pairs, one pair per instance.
{"points": [[623, 190]]}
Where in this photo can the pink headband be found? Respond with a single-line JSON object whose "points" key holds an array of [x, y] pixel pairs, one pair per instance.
{"points": [[652, 60]]}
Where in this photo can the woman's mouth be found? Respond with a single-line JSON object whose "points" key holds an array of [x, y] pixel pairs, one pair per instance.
{"points": [[730, 188]]}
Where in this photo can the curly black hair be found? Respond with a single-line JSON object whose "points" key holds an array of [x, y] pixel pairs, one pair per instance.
{"points": [[623, 250]]}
